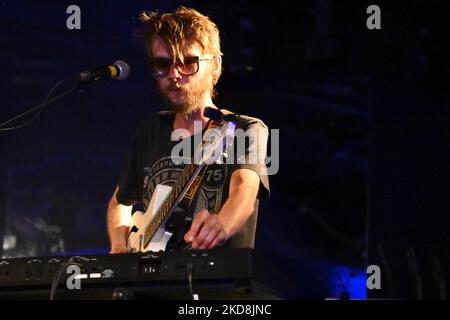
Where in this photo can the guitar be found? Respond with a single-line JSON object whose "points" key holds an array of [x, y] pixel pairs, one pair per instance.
{"points": [[149, 230]]}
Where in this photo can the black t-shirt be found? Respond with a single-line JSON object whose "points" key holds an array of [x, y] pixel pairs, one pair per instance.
{"points": [[149, 163]]}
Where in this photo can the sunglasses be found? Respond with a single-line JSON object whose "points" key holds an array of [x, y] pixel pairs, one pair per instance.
{"points": [[160, 67]]}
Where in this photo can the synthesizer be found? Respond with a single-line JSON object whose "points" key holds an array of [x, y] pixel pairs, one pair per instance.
{"points": [[160, 275]]}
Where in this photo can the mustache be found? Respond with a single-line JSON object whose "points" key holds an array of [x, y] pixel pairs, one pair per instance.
{"points": [[175, 86]]}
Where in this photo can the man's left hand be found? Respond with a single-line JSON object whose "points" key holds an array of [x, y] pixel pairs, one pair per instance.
{"points": [[207, 231]]}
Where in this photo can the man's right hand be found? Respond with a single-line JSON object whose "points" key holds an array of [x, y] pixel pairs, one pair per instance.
{"points": [[118, 219], [119, 249], [118, 238]]}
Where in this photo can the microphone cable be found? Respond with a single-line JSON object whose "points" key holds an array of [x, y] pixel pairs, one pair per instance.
{"points": [[190, 268], [39, 108]]}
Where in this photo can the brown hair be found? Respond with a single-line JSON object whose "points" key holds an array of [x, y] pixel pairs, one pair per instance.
{"points": [[177, 27]]}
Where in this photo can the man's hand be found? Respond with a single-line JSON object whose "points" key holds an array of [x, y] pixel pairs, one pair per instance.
{"points": [[118, 219], [119, 243], [207, 231], [119, 249]]}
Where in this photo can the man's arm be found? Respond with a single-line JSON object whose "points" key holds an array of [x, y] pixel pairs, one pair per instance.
{"points": [[118, 217], [208, 230]]}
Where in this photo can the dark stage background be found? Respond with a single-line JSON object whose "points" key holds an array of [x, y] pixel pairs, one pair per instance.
{"points": [[340, 95]]}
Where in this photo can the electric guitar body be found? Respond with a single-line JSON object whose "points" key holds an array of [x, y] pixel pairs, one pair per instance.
{"points": [[141, 219]]}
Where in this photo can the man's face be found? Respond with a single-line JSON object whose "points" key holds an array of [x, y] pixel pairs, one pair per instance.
{"points": [[184, 93]]}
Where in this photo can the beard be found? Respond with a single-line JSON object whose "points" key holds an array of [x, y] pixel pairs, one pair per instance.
{"points": [[183, 100]]}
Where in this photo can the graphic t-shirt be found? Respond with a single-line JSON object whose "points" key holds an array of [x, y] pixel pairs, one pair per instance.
{"points": [[149, 163]]}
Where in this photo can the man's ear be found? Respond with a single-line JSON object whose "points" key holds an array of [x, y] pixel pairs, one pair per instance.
{"points": [[218, 63], [217, 69]]}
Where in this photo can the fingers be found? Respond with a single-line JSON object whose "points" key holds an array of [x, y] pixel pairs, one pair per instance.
{"points": [[198, 221], [218, 241], [211, 233], [206, 232], [207, 235]]}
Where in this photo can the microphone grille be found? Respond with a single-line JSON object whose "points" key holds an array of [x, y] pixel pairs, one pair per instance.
{"points": [[124, 69]]}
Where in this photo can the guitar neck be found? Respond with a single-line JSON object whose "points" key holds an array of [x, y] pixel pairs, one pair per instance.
{"points": [[182, 186]]}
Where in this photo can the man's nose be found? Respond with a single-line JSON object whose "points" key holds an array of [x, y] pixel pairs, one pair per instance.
{"points": [[174, 74]]}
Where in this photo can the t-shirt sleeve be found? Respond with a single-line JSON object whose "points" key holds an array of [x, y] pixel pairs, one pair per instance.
{"points": [[250, 150]]}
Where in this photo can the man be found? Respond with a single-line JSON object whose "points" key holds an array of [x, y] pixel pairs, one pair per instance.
{"points": [[185, 60]]}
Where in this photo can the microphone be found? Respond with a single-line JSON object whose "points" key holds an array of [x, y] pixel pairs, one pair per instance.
{"points": [[118, 70], [218, 115]]}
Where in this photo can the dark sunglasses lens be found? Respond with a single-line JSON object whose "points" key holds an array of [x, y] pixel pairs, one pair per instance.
{"points": [[190, 66], [160, 66]]}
